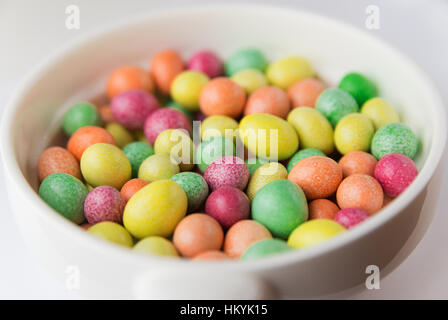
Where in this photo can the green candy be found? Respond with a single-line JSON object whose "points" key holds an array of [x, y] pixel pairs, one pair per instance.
{"points": [[280, 206], [195, 187], [394, 138], [212, 149], [246, 59], [335, 104], [254, 166], [175, 105], [80, 115], [302, 154], [361, 88], [137, 152], [65, 194], [265, 248]]}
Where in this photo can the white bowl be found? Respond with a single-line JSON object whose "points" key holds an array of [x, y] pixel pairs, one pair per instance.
{"points": [[78, 71]]}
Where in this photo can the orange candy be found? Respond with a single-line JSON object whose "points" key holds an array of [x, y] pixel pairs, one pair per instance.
{"points": [[211, 255], [87, 136], [322, 209], [86, 226], [127, 78], [318, 176], [387, 200], [106, 114], [360, 191], [165, 66], [241, 235], [197, 233], [270, 100], [357, 162], [222, 96], [57, 159], [305, 92], [131, 187]]}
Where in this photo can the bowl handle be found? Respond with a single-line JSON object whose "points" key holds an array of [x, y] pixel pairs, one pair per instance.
{"points": [[174, 284]]}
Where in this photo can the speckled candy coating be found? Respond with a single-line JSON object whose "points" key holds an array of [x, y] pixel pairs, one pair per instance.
{"points": [[195, 188], [162, 119], [80, 115], [165, 66], [265, 248], [319, 177], [121, 135], [302, 154], [280, 206], [305, 92], [242, 235], [322, 209], [87, 136], [228, 205], [357, 162], [127, 78], [360, 191], [358, 86], [157, 167], [394, 138], [207, 62], [380, 112], [104, 203], [131, 187], [285, 72], [186, 88], [57, 159], [354, 132], [131, 108], [395, 172], [248, 58], [65, 194], [227, 171], [264, 175], [270, 100], [335, 104], [212, 149], [137, 152], [350, 217]]}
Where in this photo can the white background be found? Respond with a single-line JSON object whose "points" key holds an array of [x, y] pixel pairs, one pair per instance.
{"points": [[30, 30]]}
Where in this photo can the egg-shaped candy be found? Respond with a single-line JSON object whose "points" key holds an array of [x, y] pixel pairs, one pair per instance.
{"points": [[265, 248], [156, 246], [113, 232], [57, 159], [104, 203], [195, 187], [157, 167], [314, 232], [380, 112], [163, 119], [335, 104], [394, 138], [165, 66], [213, 148], [354, 132], [264, 175], [227, 171], [285, 72]]}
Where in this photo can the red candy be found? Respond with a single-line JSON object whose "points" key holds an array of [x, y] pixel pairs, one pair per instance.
{"points": [[227, 171], [350, 217], [131, 108], [228, 205], [104, 203], [395, 172], [206, 62], [163, 119]]}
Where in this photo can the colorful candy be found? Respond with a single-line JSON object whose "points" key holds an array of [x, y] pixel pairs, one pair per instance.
{"points": [[131, 187], [357, 162], [314, 232], [197, 233], [350, 217], [270, 100], [354, 132], [156, 246], [186, 87], [206, 62], [86, 137], [285, 72], [104, 203], [359, 87], [250, 79], [265, 248], [304, 93], [113, 232], [80, 115], [65, 194], [195, 187], [222, 126], [245, 59], [242, 235], [228, 205], [395, 172], [57, 159], [213, 148], [394, 138], [335, 104], [227, 171], [280, 206], [380, 112], [121, 135], [165, 66], [302, 154], [264, 175], [128, 78], [137, 152], [163, 119], [211, 255], [157, 167], [178, 146], [322, 209]]}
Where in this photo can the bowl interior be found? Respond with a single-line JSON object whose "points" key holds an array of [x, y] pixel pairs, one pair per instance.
{"points": [[79, 71]]}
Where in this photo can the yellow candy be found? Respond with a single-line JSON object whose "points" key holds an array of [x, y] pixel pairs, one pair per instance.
{"points": [[157, 167], [314, 232], [250, 79], [186, 87], [155, 210], [263, 175], [105, 164], [354, 132], [285, 72], [112, 232], [217, 126], [178, 146], [380, 112], [121, 135], [268, 136], [314, 130], [156, 246]]}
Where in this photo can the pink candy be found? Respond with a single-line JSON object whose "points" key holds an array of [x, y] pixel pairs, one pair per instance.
{"points": [[227, 171], [350, 217], [104, 203], [131, 108], [395, 172], [228, 205], [206, 62], [163, 119]]}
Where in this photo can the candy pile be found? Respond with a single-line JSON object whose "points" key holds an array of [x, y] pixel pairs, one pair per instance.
{"points": [[281, 160]]}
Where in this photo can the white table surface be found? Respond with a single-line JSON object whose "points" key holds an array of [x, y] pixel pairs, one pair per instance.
{"points": [[29, 30]]}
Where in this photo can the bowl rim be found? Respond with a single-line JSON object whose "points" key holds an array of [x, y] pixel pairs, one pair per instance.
{"points": [[16, 176]]}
